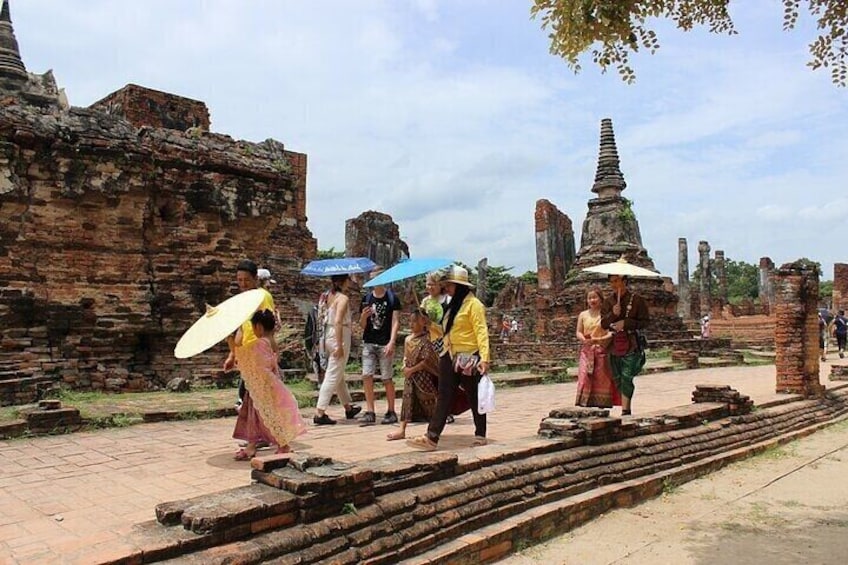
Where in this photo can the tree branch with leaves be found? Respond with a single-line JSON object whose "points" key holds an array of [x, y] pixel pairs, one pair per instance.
{"points": [[613, 29]]}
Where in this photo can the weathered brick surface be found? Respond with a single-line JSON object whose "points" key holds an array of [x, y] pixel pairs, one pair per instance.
{"points": [[796, 328], [506, 495], [555, 249], [840, 286], [129, 232], [153, 108]]}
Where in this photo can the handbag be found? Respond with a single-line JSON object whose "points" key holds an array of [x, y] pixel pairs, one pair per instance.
{"points": [[466, 363], [485, 395]]}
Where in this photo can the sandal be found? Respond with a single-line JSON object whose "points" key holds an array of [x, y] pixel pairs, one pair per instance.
{"points": [[479, 441], [395, 436], [243, 455], [423, 443]]}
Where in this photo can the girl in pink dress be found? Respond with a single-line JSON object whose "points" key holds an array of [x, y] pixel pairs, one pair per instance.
{"points": [[274, 412], [595, 386]]}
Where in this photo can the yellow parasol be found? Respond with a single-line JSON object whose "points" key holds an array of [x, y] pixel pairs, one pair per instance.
{"points": [[218, 322]]}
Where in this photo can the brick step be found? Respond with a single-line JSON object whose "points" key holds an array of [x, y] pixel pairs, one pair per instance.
{"points": [[465, 494]]}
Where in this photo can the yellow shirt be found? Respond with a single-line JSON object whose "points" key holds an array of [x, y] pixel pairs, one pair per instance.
{"points": [[469, 332], [247, 327]]}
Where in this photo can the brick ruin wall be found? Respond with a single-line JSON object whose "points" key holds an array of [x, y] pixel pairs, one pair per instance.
{"points": [[147, 107], [112, 239], [555, 252], [840, 286], [796, 329]]}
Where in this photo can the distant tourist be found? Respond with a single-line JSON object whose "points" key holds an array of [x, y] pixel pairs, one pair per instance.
{"points": [[334, 318], [705, 327], [464, 359], [624, 313], [273, 409], [824, 331], [505, 327], [421, 375], [379, 320], [840, 331], [595, 386]]}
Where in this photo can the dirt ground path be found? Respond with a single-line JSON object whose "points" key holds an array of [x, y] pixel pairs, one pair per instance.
{"points": [[786, 506]]}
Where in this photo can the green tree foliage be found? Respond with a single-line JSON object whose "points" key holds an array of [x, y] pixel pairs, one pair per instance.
{"points": [[742, 280], [826, 292], [497, 277], [612, 29], [530, 277], [330, 253]]}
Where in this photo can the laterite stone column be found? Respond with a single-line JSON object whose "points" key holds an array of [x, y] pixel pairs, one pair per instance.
{"points": [[796, 329], [684, 303]]}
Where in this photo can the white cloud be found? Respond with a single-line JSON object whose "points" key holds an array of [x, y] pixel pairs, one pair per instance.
{"points": [[454, 118]]}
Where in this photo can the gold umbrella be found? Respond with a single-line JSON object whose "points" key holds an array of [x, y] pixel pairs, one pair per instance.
{"points": [[218, 322], [622, 268]]}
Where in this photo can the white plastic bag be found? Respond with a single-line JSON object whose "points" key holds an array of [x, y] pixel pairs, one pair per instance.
{"points": [[485, 395]]}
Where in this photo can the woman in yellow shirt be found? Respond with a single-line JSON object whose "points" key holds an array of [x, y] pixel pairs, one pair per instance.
{"points": [[465, 357]]}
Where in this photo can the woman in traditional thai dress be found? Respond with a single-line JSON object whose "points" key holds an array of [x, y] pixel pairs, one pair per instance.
{"points": [[274, 411], [595, 386], [421, 375]]}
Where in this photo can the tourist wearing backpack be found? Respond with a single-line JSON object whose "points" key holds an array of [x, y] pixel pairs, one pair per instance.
{"points": [[380, 321], [840, 330], [312, 335]]}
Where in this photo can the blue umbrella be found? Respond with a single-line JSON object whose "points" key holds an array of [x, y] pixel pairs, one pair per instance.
{"points": [[342, 266], [407, 269]]}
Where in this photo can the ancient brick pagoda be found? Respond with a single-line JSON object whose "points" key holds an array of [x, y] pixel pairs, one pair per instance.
{"points": [[119, 221], [610, 231]]}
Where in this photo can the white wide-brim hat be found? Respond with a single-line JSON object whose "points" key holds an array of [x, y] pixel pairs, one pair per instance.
{"points": [[457, 275]]}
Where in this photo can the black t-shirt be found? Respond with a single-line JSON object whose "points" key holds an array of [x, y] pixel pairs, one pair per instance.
{"points": [[841, 325], [378, 328]]}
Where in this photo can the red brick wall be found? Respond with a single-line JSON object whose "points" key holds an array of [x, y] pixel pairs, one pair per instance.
{"points": [[147, 107], [111, 244], [796, 329]]}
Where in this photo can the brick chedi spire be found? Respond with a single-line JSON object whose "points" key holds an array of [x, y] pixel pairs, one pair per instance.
{"points": [[609, 181], [610, 229], [11, 65]]}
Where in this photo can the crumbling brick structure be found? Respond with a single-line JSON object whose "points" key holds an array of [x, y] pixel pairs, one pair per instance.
{"points": [[554, 245], [142, 106], [796, 329], [610, 231], [376, 236], [114, 234], [840, 286]]}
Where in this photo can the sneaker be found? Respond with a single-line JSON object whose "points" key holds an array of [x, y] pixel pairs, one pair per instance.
{"points": [[354, 410], [323, 420], [368, 419], [389, 418]]}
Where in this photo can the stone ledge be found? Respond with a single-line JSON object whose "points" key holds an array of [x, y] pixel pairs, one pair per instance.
{"points": [[490, 487]]}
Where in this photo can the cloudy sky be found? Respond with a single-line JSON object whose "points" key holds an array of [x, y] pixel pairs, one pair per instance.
{"points": [[452, 116]]}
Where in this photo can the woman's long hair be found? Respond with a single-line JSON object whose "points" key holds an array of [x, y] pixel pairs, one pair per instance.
{"points": [[338, 282], [456, 301]]}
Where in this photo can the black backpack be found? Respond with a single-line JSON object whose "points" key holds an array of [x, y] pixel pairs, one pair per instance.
{"points": [[310, 331]]}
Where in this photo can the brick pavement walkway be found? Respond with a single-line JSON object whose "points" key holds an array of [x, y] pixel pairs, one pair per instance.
{"points": [[66, 499]]}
